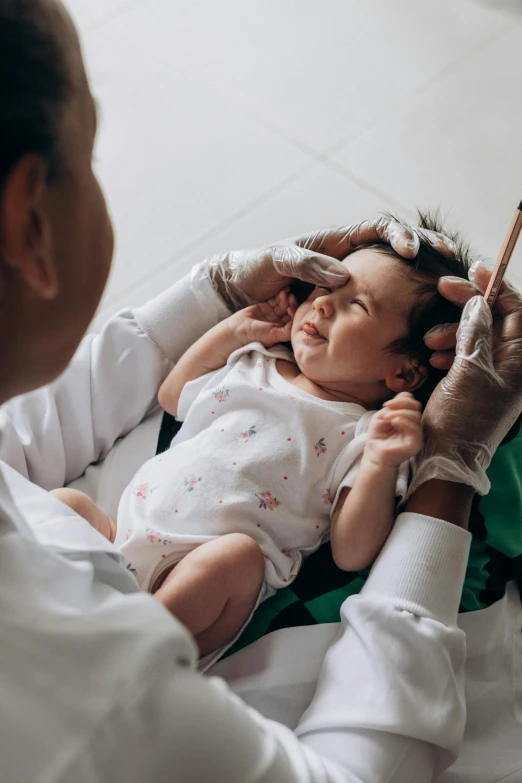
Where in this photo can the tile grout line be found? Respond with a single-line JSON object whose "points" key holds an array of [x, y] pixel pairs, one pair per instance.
{"points": [[315, 157], [280, 130], [368, 187], [178, 256], [448, 70], [218, 89], [432, 81], [110, 15], [190, 247]]}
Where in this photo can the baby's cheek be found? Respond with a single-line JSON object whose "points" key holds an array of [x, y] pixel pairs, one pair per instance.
{"points": [[297, 324]]}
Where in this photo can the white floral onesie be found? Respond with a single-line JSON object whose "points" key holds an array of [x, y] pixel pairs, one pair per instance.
{"points": [[255, 455]]}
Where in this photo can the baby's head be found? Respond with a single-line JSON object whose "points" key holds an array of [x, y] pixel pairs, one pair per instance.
{"points": [[366, 339]]}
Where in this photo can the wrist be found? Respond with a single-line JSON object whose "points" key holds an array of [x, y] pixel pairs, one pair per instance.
{"points": [[449, 466], [226, 338], [373, 461], [373, 465], [444, 500], [238, 326], [217, 269]]}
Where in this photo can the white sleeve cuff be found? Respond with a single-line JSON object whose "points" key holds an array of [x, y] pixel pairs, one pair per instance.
{"points": [[176, 318], [422, 567]]}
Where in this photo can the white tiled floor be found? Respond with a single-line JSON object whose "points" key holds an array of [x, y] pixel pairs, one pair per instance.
{"points": [[235, 123]]}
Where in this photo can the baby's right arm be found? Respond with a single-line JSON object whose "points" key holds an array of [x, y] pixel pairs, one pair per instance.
{"points": [[268, 323], [209, 353]]}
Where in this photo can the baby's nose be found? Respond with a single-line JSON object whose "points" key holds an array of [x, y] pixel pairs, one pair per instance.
{"points": [[324, 306]]}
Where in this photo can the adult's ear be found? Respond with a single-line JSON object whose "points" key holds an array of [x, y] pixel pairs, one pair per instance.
{"points": [[407, 376], [25, 230]]}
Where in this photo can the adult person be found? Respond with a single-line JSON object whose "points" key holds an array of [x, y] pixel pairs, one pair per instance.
{"points": [[98, 681]]}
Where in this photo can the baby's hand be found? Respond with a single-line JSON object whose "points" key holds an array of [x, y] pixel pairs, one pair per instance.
{"points": [[267, 322], [395, 432]]}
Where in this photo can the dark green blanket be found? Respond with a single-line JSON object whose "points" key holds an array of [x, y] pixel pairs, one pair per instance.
{"points": [[320, 588]]}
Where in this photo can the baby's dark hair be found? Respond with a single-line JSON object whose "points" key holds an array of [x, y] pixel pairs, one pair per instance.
{"points": [[430, 308]]}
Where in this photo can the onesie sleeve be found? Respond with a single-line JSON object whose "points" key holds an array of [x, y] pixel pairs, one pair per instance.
{"points": [[50, 435], [192, 389], [349, 461]]}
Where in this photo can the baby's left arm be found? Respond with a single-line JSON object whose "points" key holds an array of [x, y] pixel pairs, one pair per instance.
{"points": [[365, 513]]}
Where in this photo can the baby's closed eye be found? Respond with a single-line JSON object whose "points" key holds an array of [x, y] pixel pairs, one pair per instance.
{"points": [[361, 304]]}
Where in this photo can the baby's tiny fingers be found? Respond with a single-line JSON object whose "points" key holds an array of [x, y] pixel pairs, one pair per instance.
{"points": [[281, 306], [285, 332], [264, 308], [403, 402], [415, 417], [270, 314]]}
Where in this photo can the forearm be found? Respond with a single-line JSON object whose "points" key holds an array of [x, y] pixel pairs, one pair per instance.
{"points": [[179, 316], [209, 353], [399, 647], [444, 500], [52, 434], [363, 519]]}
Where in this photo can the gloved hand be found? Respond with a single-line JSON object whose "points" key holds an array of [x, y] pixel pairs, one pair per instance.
{"points": [[248, 276], [475, 405], [442, 339]]}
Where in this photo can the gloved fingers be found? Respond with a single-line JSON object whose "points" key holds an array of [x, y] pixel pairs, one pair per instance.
{"points": [[475, 334], [340, 241], [457, 290], [508, 297], [480, 275], [507, 311], [403, 239], [441, 242], [441, 337], [442, 360], [508, 301], [508, 304], [295, 262], [508, 333]]}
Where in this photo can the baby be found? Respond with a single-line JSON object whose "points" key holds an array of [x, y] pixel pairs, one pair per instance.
{"points": [[281, 448]]}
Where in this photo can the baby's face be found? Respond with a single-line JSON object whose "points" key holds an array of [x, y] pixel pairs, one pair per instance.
{"points": [[342, 336]]}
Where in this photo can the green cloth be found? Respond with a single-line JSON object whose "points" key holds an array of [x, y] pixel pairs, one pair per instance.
{"points": [[320, 588]]}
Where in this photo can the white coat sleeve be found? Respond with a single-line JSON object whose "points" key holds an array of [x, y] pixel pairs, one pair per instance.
{"points": [[389, 707], [52, 434]]}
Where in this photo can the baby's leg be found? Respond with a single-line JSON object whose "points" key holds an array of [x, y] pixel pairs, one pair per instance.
{"points": [[214, 589], [87, 508]]}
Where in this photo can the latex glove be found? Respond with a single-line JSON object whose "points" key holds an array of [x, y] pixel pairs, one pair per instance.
{"points": [[248, 276], [442, 339], [475, 405]]}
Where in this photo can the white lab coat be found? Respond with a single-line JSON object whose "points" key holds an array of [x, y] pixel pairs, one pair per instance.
{"points": [[98, 681]]}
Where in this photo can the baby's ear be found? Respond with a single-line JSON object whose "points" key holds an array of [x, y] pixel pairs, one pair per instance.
{"points": [[408, 375]]}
